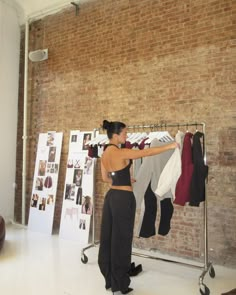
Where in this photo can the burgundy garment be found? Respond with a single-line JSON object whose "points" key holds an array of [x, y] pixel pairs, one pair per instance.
{"points": [[129, 145], [141, 146], [182, 190], [90, 151], [93, 151]]}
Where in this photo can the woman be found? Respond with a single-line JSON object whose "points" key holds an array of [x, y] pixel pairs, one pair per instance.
{"points": [[114, 256]]}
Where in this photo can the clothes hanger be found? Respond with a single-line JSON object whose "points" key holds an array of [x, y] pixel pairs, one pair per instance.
{"points": [[130, 136], [187, 128], [134, 138], [164, 136], [152, 135], [104, 141], [98, 140], [161, 134], [141, 137]]}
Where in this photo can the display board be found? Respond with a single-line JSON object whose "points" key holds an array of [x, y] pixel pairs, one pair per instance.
{"points": [[43, 197], [78, 195]]}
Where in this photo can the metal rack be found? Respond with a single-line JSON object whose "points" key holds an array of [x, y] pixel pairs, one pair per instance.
{"points": [[207, 265]]}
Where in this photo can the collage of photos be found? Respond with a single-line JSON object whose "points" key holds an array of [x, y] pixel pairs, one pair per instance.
{"points": [[78, 201], [45, 181], [74, 191]]}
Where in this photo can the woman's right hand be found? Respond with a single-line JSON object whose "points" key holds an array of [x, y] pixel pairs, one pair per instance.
{"points": [[176, 145]]}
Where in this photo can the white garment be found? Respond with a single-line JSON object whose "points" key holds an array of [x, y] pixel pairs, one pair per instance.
{"points": [[172, 170], [100, 150]]}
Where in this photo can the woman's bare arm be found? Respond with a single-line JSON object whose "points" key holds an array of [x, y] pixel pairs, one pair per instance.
{"points": [[135, 154]]}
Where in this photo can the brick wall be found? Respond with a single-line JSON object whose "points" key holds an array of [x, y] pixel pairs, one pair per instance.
{"points": [[142, 62]]}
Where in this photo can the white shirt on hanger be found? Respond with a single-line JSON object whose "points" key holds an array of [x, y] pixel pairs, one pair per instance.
{"points": [[171, 171]]}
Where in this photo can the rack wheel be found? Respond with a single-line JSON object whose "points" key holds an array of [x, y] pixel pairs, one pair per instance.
{"points": [[204, 290], [212, 272], [84, 259]]}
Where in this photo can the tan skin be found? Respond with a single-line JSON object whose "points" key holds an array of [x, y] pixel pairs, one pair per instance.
{"points": [[114, 159]]}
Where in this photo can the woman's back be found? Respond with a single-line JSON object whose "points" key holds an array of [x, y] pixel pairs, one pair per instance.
{"points": [[112, 160]]}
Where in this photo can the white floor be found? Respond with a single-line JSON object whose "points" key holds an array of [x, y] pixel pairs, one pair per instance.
{"points": [[32, 264]]}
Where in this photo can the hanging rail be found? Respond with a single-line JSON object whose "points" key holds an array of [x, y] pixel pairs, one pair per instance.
{"points": [[204, 290], [161, 125]]}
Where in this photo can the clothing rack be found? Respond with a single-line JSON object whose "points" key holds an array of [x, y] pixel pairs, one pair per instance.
{"points": [[207, 265]]}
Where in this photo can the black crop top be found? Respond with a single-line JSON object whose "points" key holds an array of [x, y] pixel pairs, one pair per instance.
{"points": [[122, 176]]}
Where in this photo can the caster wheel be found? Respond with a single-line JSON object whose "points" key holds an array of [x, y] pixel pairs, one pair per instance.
{"points": [[84, 259], [204, 290], [212, 272]]}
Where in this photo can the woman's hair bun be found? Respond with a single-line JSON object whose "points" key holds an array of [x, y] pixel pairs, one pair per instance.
{"points": [[105, 124]]}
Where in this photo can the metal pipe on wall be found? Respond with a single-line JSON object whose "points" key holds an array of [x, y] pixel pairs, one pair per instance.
{"points": [[29, 19], [24, 137]]}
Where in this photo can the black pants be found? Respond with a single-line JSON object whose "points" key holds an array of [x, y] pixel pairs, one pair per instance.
{"points": [[115, 251]]}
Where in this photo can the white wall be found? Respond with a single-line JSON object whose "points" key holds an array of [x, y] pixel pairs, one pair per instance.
{"points": [[9, 80], [34, 9], [35, 6]]}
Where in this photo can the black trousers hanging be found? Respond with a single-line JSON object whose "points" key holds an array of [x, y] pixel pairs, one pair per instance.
{"points": [[115, 251]]}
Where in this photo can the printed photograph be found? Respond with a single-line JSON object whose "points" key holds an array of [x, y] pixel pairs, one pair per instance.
{"points": [[76, 163], [48, 182], [39, 184], [70, 192], [78, 175], [42, 204], [50, 138], [70, 163], [56, 168], [52, 154], [87, 207], [88, 164], [42, 168], [72, 212], [50, 200], [82, 224], [34, 200], [87, 137], [74, 138]]}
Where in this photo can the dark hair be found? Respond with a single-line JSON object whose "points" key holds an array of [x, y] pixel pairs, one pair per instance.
{"points": [[113, 127]]}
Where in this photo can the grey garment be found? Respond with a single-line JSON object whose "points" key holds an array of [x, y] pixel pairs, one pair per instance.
{"points": [[150, 170], [137, 163]]}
